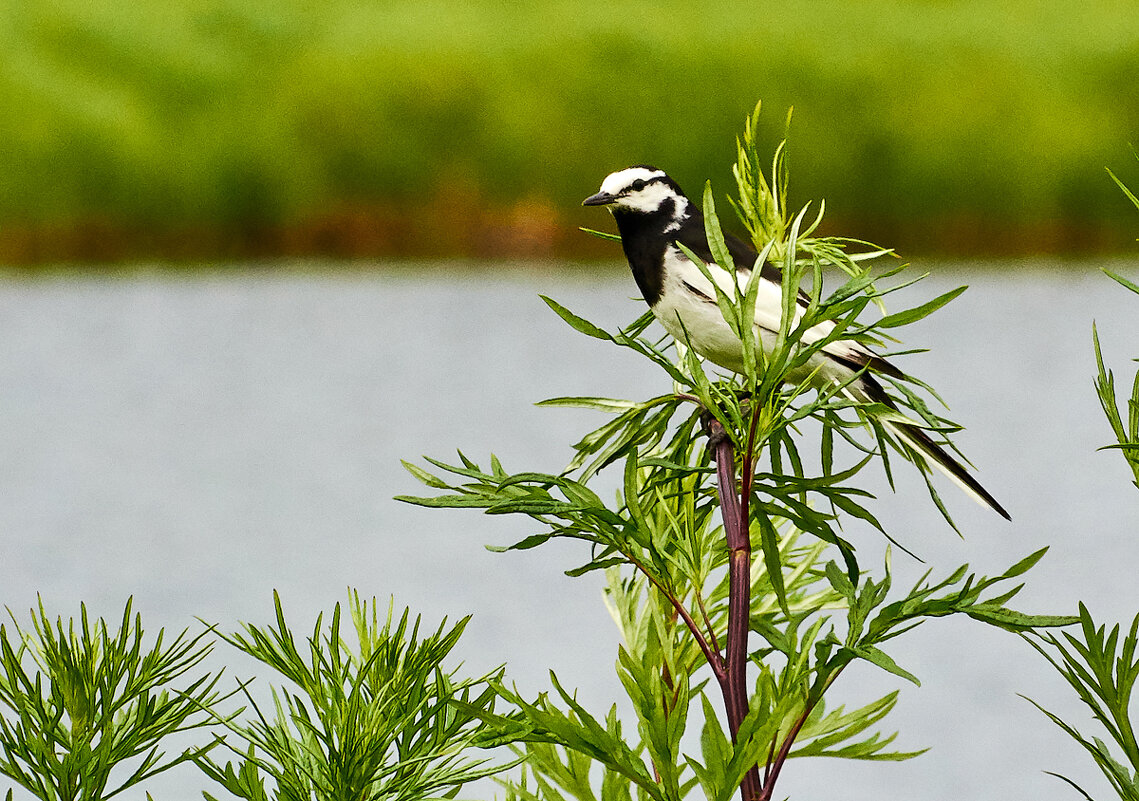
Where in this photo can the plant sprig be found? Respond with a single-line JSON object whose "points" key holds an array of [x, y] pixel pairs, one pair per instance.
{"points": [[1124, 422], [378, 720], [1102, 668], [82, 701]]}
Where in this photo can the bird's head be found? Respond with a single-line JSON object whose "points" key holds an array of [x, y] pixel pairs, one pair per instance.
{"points": [[640, 189]]}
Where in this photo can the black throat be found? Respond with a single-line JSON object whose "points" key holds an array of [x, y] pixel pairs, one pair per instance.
{"points": [[645, 240]]}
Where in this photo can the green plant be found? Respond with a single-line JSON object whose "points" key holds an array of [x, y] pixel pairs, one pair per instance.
{"points": [[1101, 668], [1126, 433], [380, 720], [82, 703], [709, 470], [1125, 427]]}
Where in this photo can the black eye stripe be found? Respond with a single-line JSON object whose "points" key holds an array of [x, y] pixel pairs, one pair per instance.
{"points": [[638, 184], [641, 183]]}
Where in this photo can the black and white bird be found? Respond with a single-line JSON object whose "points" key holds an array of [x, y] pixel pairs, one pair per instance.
{"points": [[653, 216]]}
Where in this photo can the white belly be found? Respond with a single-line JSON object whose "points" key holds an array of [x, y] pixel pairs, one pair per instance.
{"points": [[693, 320]]}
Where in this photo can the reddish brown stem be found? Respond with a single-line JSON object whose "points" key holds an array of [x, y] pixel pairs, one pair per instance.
{"points": [[715, 661], [736, 530], [771, 775], [775, 765]]}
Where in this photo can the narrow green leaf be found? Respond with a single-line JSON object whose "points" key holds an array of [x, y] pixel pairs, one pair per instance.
{"points": [[716, 242], [446, 501], [1130, 195], [772, 559], [597, 564], [918, 312], [533, 541], [578, 323], [602, 404], [601, 234], [1123, 281], [1025, 564], [1012, 620], [423, 476], [883, 660]]}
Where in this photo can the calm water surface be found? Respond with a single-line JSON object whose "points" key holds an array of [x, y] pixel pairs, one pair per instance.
{"points": [[202, 440]]}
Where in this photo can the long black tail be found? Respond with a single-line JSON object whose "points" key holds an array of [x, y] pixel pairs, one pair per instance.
{"points": [[866, 389]]}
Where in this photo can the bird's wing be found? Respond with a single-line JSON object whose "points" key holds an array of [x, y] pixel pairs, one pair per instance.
{"points": [[692, 235], [769, 300]]}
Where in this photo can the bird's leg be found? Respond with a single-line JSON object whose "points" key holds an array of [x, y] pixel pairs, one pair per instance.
{"points": [[715, 432]]}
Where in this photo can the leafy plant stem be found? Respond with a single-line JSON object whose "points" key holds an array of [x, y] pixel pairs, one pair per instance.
{"points": [[771, 774], [715, 661], [775, 764], [733, 507], [680, 541]]}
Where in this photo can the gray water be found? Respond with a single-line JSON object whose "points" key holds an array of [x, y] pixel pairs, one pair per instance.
{"points": [[201, 440]]}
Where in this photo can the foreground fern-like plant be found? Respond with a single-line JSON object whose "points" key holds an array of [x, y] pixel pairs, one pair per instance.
{"points": [[380, 719], [83, 703], [1101, 667]]}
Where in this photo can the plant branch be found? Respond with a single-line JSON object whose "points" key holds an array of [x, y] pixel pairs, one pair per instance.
{"points": [[715, 660], [771, 774], [734, 685], [775, 765]]}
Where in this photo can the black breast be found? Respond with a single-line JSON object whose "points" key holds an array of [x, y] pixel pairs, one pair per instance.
{"points": [[645, 241]]}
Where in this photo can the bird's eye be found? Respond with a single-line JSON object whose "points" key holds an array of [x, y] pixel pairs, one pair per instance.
{"points": [[637, 185]]}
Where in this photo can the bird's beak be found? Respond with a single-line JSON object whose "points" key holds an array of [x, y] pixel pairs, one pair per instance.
{"points": [[600, 199]]}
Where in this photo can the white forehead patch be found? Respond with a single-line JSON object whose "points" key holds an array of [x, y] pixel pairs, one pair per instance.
{"points": [[615, 182], [647, 199]]}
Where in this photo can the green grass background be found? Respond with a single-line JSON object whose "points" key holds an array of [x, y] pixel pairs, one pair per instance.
{"points": [[425, 127]]}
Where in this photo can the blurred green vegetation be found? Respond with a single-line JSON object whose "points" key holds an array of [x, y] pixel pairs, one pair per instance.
{"points": [[428, 127]]}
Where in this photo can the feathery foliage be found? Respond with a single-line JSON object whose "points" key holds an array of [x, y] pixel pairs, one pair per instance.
{"points": [[1102, 670], [1124, 422], [82, 702], [380, 720], [1127, 433], [1124, 426], [1100, 667]]}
